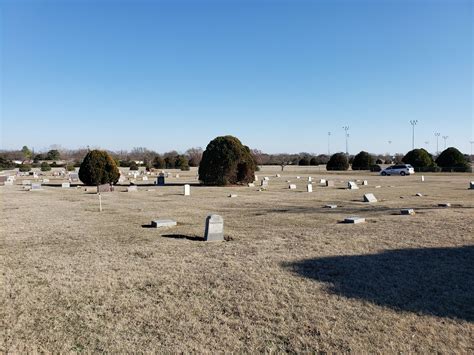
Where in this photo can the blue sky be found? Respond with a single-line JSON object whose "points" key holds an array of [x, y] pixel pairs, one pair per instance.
{"points": [[277, 74]]}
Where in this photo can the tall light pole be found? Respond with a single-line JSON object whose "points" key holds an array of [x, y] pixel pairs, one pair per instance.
{"points": [[437, 134], [413, 124], [445, 138], [329, 137], [346, 128]]}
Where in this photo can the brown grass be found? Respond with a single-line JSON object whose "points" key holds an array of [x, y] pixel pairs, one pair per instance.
{"points": [[290, 279]]}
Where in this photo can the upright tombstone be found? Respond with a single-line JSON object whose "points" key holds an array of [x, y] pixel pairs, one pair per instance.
{"points": [[177, 176], [264, 183], [266, 178], [365, 183], [73, 177], [309, 188], [145, 178], [322, 181], [255, 178], [214, 228], [422, 178], [35, 186], [187, 190], [329, 183], [310, 179], [66, 185], [471, 185], [104, 188], [351, 185], [277, 175], [369, 198], [251, 184], [292, 187], [160, 181]]}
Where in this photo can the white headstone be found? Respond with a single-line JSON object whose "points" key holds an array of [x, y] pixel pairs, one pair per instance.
{"points": [[266, 178], [322, 181], [161, 223], [232, 195], [365, 183], [35, 186], [330, 206], [177, 176], [310, 179], [45, 181], [214, 228], [351, 185], [309, 188], [145, 178], [354, 220], [369, 198], [264, 183], [407, 211], [255, 178], [251, 184], [422, 178], [298, 177], [418, 194], [292, 186], [187, 190], [471, 185], [444, 204], [277, 175], [65, 185]]}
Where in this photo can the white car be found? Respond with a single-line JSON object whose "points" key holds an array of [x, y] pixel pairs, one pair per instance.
{"points": [[402, 169]]}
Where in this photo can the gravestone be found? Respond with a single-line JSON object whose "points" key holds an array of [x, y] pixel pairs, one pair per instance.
{"points": [[160, 181], [407, 211], [232, 195], [255, 178], [277, 175], [444, 205], [471, 185], [266, 178], [351, 185], [264, 183], [309, 188], [422, 178], [329, 183], [132, 188], [35, 186], [65, 185], [298, 177], [310, 179], [365, 183], [104, 188], [145, 178], [322, 181], [378, 187], [8, 182], [45, 181], [292, 186], [330, 206], [187, 190], [354, 220], [73, 176], [418, 194], [177, 176], [163, 223], [214, 228], [369, 198], [251, 184]]}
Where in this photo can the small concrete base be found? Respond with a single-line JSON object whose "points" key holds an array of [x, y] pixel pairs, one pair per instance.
{"points": [[160, 223]]}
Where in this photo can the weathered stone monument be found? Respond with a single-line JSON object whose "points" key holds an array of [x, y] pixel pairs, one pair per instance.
{"points": [[160, 181], [471, 185], [309, 188], [322, 181], [369, 198], [329, 183], [365, 183], [66, 185], [264, 183], [351, 185], [214, 228], [187, 190], [162, 223]]}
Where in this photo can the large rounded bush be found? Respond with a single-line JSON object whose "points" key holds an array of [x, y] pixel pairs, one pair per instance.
{"points": [[420, 159], [25, 168], [452, 159], [338, 161], [98, 168], [133, 165], [227, 161], [304, 161], [45, 166], [362, 161]]}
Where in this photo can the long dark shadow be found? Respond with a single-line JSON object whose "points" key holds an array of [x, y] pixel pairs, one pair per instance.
{"points": [[433, 281]]}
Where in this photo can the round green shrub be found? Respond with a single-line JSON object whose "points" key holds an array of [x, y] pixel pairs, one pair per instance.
{"points": [[25, 167], [226, 161], [304, 161], [45, 166], [362, 161], [70, 167], [98, 168], [379, 161], [133, 165], [338, 161], [452, 159], [420, 159], [313, 161], [375, 168], [181, 162]]}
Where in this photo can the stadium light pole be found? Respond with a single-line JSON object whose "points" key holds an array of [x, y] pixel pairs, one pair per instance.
{"points": [[413, 124], [445, 138], [346, 128], [437, 134], [329, 138]]}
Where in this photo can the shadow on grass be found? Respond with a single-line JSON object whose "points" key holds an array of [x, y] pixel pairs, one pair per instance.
{"points": [[182, 236], [433, 281]]}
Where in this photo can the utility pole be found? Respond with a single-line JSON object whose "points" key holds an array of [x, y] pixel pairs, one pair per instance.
{"points": [[413, 124], [445, 138], [346, 128], [329, 138], [437, 134]]}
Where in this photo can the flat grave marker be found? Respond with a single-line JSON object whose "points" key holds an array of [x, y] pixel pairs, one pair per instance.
{"points": [[163, 223], [354, 220]]}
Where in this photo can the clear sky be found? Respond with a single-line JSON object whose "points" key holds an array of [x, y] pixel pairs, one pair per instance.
{"points": [[277, 74]]}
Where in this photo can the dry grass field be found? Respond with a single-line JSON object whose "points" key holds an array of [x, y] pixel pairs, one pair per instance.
{"points": [[290, 278]]}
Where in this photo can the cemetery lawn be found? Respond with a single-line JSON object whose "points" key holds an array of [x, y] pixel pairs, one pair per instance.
{"points": [[290, 278]]}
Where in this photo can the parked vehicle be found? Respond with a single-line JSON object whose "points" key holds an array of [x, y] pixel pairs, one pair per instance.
{"points": [[401, 169]]}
